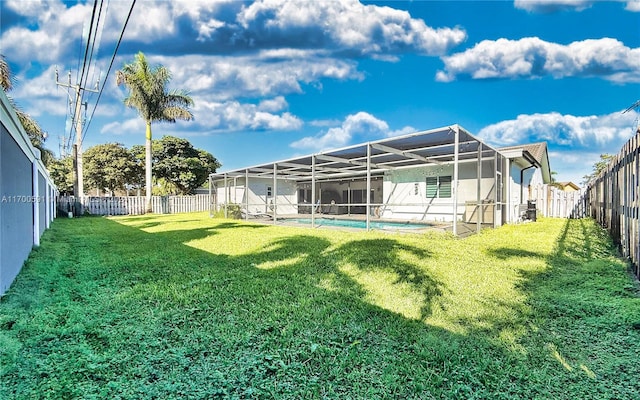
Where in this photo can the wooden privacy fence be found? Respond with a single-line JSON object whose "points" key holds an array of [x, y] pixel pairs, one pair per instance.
{"points": [[554, 202], [134, 205], [613, 199]]}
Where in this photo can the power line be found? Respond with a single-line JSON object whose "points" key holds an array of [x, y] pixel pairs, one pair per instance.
{"points": [[86, 50], [113, 57], [631, 107], [93, 44], [85, 67]]}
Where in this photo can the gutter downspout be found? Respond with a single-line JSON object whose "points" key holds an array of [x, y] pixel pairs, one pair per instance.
{"points": [[522, 181]]}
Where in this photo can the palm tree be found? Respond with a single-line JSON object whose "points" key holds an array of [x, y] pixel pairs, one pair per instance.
{"points": [[149, 95], [5, 75], [31, 127]]}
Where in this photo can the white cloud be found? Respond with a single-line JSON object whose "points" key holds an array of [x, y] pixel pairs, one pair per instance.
{"points": [[224, 78], [607, 132], [346, 25], [40, 94], [273, 105], [354, 124], [575, 142], [58, 29], [572, 166], [52, 30], [633, 5], [360, 122], [235, 116], [549, 6], [403, 131], [533, 57], [133, 126]]}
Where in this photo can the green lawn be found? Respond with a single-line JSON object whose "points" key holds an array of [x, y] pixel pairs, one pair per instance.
{"points": [[184, 306]]}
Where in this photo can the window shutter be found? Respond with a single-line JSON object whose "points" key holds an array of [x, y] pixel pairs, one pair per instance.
{"points": [[445, 187], [432, 187]]}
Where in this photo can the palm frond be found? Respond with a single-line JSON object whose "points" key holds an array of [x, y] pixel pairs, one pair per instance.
{"points": [[5, 75], [171, 114]]}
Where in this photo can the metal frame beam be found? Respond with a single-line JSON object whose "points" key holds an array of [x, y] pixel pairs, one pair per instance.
{"points": [[348, 161], [404, 153]]}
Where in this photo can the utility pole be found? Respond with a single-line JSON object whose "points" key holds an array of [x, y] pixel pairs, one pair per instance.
{"points": [[78, 182]]}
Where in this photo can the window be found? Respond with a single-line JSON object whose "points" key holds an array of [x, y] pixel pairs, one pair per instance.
{"points": [[304, 196], [358, 196], [439, 187]]}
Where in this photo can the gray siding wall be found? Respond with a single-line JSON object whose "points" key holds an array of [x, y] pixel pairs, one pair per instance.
{"points": [[16, 213]]}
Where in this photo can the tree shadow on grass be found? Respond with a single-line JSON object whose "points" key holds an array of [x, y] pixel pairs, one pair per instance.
{"points": [[388, 255], [296, 318], [579, 312], [151, 220], [504, 253]]}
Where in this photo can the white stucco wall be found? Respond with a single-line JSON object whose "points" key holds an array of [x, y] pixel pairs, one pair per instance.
{"points": [[258, 200], [404, 192], [519, 192]]}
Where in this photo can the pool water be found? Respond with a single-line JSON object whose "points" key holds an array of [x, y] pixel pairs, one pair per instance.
{"points": [[349, 223]]}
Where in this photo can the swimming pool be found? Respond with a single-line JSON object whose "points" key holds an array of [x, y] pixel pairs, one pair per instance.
{"points": [[359, 224]]}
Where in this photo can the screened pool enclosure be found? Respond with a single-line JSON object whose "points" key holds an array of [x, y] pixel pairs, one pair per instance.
{"points": [[445, 177]]}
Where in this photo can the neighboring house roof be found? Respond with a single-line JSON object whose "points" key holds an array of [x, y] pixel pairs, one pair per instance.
{"points": [[566, 185], [539, 153]]}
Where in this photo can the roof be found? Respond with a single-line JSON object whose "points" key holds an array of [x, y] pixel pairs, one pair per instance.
{"points": [[436, 146], [539, 152], [432, 147], [569, 184]]}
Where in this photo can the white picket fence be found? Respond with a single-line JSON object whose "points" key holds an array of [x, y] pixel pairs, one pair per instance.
{"points": [[134, 205]]}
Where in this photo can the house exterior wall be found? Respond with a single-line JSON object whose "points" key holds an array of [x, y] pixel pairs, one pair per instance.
{"points": [[26, 195], [258, 196], [520, 191], [16, 214], [405, 197], [514, 183]]}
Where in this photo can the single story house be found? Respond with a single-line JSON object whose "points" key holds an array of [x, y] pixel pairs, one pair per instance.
{"points": [[444, 176], [568, 186]]}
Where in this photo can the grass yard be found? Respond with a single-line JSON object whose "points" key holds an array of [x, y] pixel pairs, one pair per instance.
{"points": [[184, 306]]}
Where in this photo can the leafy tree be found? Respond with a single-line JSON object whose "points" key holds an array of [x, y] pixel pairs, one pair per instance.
{"points": [[137, 178], [148, 93], [36, 135], [109, 166], [61, 172], [163, 187], [179, 163], [598, 167], [554, 181]]}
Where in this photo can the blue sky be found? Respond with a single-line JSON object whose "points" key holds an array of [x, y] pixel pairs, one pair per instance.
{"points": [[275, 79]]}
